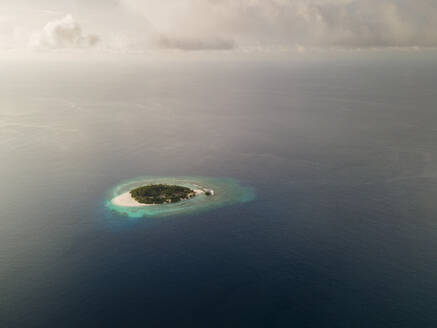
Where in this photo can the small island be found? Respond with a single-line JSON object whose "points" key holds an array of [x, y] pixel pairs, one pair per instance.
{"points": [[158, 194], [161, 194]]}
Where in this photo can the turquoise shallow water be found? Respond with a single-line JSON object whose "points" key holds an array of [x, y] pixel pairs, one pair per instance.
{"points": [[226, 192]]}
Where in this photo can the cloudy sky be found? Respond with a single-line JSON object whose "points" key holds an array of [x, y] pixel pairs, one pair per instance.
{"points": [[227, 25]]}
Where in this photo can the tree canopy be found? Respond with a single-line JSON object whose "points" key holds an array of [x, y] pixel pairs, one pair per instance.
{"points": [[161, 193]]}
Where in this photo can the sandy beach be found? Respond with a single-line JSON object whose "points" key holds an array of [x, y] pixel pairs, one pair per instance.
{"points": [[126, 200]]}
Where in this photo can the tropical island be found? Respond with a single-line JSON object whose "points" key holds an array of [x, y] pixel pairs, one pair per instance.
{"points": [[158, 194], [161, 194]]}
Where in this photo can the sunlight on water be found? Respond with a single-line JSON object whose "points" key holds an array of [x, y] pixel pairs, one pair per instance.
{"points": [[226, 192]]}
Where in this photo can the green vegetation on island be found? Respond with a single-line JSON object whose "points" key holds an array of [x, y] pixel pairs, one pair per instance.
{"points": [[161, 193]]}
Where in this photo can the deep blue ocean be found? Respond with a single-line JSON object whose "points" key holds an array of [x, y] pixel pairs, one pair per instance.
{"points": [[342, 155]]}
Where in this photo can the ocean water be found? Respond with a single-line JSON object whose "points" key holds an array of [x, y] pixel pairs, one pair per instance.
{"points": [[342, 156]]}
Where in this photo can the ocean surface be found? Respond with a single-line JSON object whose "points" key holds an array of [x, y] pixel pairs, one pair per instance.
{"points": [[342, 155]]}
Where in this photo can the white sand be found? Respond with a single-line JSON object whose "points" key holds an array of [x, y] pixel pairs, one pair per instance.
{"points": [[126, 199]]}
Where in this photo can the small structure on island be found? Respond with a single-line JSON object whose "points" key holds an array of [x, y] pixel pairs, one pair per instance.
{"points": [[209, 192]]}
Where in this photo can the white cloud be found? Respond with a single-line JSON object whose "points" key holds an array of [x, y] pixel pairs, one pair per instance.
{"points": [[279, 23], [63, 33], [187, 25]]}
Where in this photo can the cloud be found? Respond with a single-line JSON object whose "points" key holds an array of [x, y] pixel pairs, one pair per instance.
{"points": [[179, 43], [202, 25], [287, 23], [64, 33]]}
